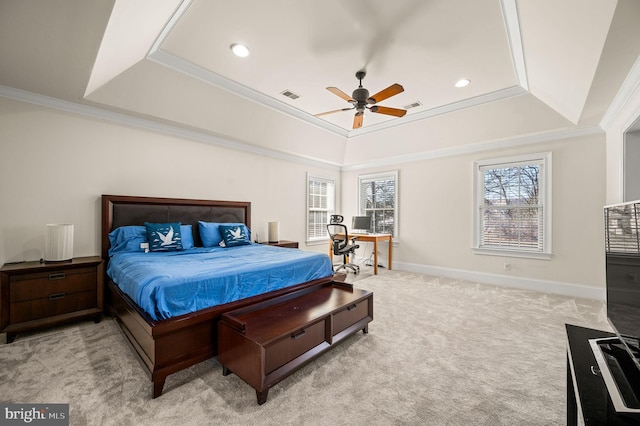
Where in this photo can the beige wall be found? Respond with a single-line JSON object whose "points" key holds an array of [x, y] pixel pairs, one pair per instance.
{"points": [[55, 165], [436, 218]]}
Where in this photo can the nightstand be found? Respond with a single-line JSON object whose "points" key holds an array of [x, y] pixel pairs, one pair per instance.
{"points": [[282, 243], [35, 295]]}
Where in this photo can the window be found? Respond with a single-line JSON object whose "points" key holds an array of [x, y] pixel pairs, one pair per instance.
{"points": [[321, 201], [378, 197], [513, 206]]}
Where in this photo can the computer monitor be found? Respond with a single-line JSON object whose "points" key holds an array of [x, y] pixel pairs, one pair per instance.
{"points": [[361, 224]]}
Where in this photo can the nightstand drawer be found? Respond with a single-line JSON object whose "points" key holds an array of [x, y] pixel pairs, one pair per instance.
{"points": [[43, 285], [54, 304]]}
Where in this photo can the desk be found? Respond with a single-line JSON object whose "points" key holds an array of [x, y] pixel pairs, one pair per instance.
{"points": [[371, 238]]}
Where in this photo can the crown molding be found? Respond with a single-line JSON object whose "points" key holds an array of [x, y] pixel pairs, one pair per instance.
{"points": [[479, 147], [625, 93], [154, 126], [192, 70], [512, 24], [180, 132], [512, 21]]}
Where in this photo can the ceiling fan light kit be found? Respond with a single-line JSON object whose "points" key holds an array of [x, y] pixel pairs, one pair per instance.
{"points": [[361, 101]]}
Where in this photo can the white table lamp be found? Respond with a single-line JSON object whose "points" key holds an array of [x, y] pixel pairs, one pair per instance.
{"points": [[59, 242], [274, 230]]}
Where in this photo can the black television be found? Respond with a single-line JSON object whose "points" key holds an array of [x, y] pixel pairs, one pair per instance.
{"points": [[619, 358], [361, 224]]}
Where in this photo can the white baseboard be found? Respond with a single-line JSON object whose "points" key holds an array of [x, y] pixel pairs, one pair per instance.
{"points": [[555, 287]]}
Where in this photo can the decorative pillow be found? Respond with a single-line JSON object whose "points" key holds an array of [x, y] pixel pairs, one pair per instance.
{"points": [[211, 235], [164, 236], [235, 235], [127, 239]]}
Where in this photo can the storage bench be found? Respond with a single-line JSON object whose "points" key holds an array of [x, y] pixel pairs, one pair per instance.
{"points": [[266, 342]]}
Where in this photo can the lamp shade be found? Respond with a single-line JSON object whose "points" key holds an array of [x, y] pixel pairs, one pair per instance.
{"points": [[274, 230], [59, 242]]}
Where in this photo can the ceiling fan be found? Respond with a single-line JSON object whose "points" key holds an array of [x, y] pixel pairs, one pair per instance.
{"points": [[361, 100]]}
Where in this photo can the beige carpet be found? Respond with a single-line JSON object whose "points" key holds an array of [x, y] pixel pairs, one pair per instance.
{"points": [[439, 352]]}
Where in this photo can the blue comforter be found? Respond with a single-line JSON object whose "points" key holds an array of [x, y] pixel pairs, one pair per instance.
{"points": [[168, 284]]}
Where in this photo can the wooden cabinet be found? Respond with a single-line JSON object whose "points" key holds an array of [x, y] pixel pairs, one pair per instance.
{"points": [[266, 342], [35, 295], [283, 243]]}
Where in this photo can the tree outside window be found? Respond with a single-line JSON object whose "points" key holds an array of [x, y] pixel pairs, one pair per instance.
{"points": [[513, 204], [378, 199]]}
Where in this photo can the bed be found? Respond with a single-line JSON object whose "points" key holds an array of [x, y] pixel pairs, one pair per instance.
{"points": [[168, 341]]}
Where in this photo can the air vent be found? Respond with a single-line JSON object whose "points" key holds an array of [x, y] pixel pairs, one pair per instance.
{"points": [[290, 94], [413, 105]]}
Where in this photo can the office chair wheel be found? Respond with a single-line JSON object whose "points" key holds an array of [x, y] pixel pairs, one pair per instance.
{"points": [[354, 268]]}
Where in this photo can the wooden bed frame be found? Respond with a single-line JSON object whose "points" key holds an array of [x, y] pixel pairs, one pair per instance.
{"points": [[168, 346]]}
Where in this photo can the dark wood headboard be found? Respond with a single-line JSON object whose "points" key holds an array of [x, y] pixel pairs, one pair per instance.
{"points": [[122, 210]]}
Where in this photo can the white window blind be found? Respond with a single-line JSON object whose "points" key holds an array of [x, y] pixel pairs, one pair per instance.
{"points": [[378, 198], [320, 205], [513, 206]]}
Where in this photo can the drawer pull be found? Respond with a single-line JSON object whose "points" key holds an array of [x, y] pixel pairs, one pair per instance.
{"points": [[57, 276], [56, 296], [298, 334], [352, 307]]}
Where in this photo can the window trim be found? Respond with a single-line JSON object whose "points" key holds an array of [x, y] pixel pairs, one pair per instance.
{"points": [[545, 185], [325, 179], [378, 175]]}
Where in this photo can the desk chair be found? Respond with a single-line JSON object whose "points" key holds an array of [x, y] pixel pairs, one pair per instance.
{"points": [[342, 244]]}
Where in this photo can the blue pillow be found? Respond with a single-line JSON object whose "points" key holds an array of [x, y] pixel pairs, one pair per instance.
{"points": [[211, 235], [235, 235], [187, 237], [127, 239], [164, 236]]}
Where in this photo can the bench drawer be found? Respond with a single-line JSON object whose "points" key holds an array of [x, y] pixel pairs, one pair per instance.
{"points": [[294, 345], [350, 315]]}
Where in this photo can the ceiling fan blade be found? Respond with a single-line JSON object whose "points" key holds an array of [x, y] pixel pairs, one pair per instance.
{"points": [[340, 93], [392, 90], [388, 111], [331, 112], [357, 120]]}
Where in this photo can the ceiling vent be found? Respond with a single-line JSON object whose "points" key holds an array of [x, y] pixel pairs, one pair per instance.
{"points": [[413, 105], [289, 94]]}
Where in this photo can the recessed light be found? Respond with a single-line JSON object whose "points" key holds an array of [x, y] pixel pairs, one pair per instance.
{"points": [[463, 82], [240, 50]]}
